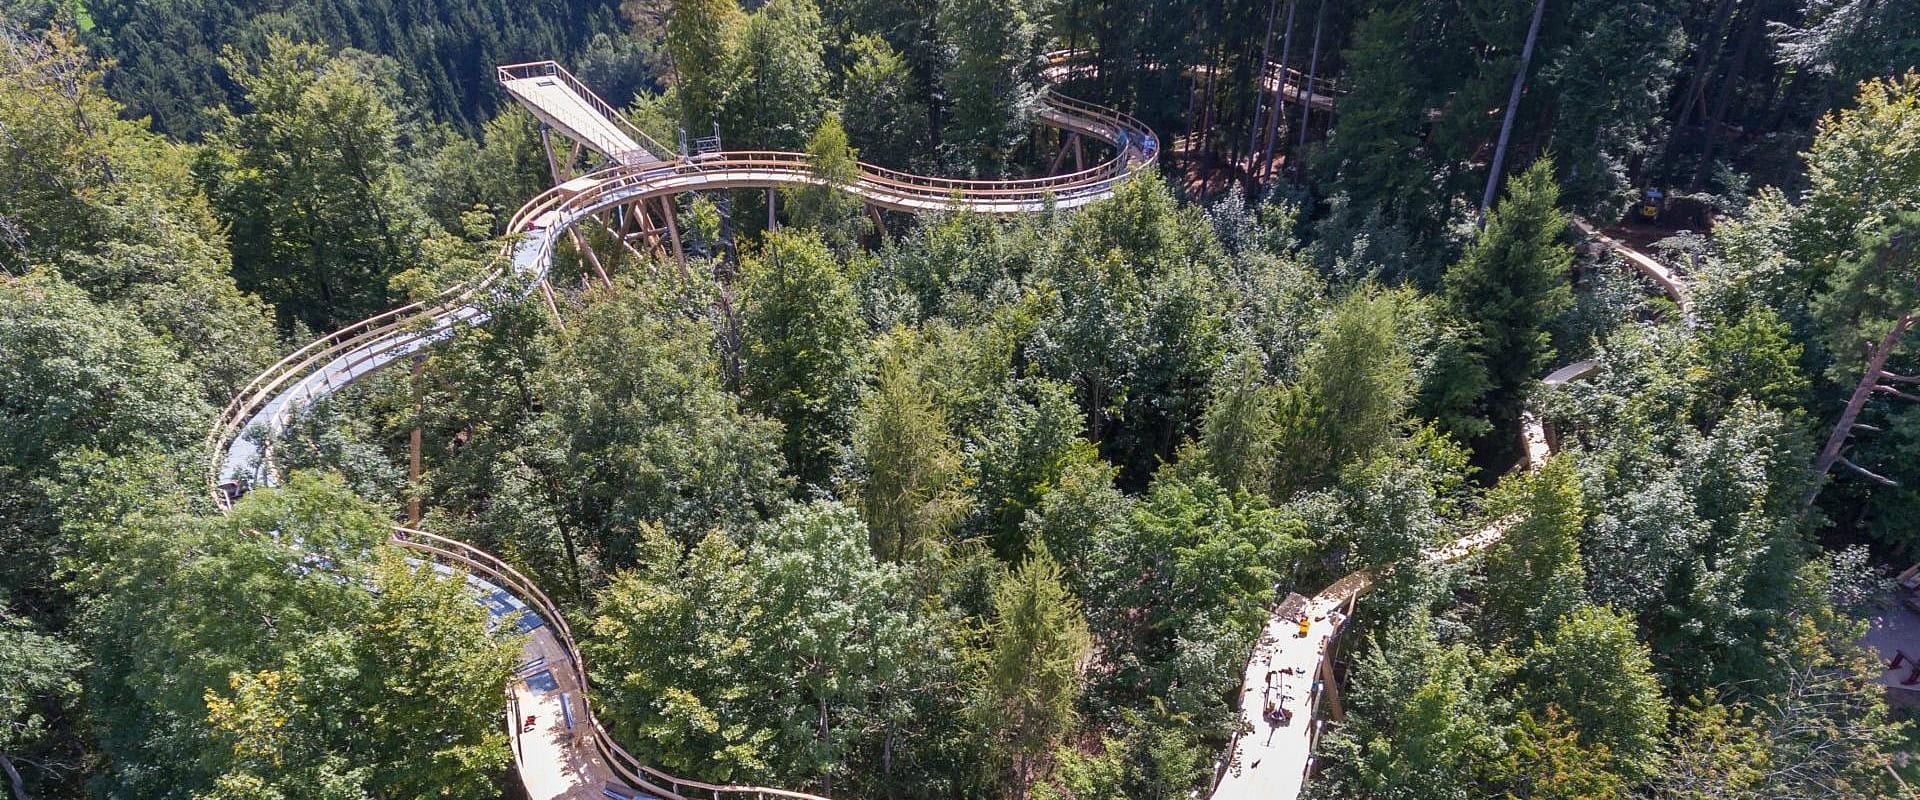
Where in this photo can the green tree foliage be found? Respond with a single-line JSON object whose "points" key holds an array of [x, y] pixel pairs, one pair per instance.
{"points": [[1038, 642], [885, 118], [992, 79], [1424, 721], [1356, 381], [785, 662], [1080, 516], [1534, 575], [1510, 283], [1180, 591], [80, 381], [166, 52], [1607, 88], [829, 206], [309, 181], [365, 650], [500, 172], [1546, 760], [632, 393], [1861, 169], [702, 39], [1029, 440], [110, 207], [1591, 667], [802, 348], [780, 89], [1380, 118], [37, 682], [909, 462], [1240, 432]]}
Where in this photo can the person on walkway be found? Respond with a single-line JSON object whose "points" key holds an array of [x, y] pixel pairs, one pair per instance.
{"points": [[1306, 624]]}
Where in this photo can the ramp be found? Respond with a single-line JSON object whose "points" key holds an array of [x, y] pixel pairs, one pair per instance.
{"points": [[563, 102]]}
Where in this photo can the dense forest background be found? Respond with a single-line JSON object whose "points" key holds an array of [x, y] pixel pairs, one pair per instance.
{"points": [[952, 506]]}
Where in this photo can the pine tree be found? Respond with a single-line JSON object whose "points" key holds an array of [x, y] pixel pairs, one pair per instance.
{"points": [[1509, 285], [1039, 639]]}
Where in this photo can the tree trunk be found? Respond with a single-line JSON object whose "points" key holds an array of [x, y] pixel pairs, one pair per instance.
{"points": [[14, 781], [1280, 87], [1710, 46], [1306, 96], [1876, 362], [1513, 105], [1259, 92], [1748, 32]]}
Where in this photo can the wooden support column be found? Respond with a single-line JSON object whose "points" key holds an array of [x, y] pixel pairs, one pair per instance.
{"points": [[879, 223], [1079, 156], [413, 446], [673, 231], [1061, 156], [773, 224], [546, 290], [1335, 710], [592, 257], [656, 235]]}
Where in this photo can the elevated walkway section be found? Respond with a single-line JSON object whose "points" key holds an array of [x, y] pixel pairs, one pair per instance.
{"points": [[562, 101]]}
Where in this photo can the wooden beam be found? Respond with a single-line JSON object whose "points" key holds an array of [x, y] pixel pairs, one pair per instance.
{"points": [[552, 307], [413, 447], [673, 230], [592, 257], [1061, 156], [1335, 710]]}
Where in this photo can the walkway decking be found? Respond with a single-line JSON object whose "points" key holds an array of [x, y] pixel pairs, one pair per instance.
{"points": [[581, 117], [556, 761], [1270, 759]]}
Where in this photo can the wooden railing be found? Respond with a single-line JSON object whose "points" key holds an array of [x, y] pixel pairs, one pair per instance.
{"points": [[343, 351], [552, 69]]}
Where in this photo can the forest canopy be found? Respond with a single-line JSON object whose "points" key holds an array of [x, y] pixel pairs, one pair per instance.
{"points": [[1555, 354]]}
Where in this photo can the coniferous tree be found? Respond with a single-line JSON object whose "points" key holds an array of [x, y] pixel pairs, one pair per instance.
{"points": [[1510, 283], [1039, 638]]}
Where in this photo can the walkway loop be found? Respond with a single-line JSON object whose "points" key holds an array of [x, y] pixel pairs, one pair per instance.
{"points": [[568, 753]]}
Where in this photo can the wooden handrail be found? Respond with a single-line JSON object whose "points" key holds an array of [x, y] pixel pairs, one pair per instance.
{"points": [[557, 208]]}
